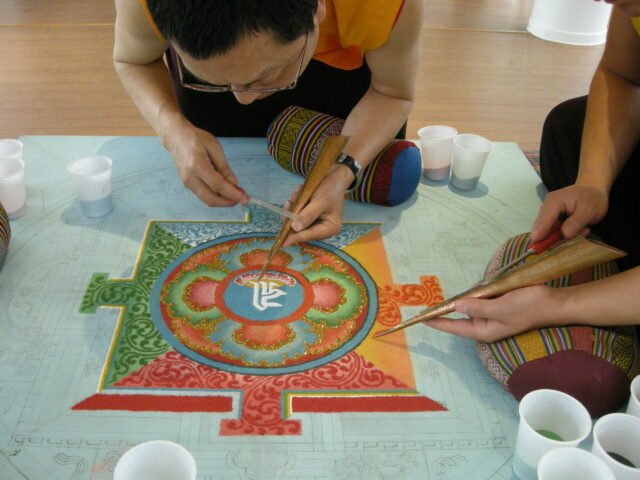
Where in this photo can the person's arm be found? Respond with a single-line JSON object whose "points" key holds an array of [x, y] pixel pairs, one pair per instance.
{"points": [[137, 58], [607, 302], [372, 123], [611, 131]]}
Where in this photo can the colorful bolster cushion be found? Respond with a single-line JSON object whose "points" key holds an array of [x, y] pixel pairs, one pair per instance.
{"points": [[295, 138], [593, 364]]}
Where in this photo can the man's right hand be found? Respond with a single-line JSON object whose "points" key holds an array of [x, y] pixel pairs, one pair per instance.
{"points": [[203, 165], [576, 206]]}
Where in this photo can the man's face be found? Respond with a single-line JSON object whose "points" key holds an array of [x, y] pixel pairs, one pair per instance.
{"points": [[258, 61]]}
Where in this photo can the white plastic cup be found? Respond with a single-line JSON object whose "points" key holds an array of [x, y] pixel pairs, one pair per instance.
{"points": [[616, 440], [572, 464], [13, 187], [549, 419], [436, 147], [93, 183], [633, 407], [11, 148], [156, 460], [573, 22], [470, 153]]}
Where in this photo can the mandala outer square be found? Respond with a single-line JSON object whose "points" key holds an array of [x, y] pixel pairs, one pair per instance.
{"points": [[315, 355]]}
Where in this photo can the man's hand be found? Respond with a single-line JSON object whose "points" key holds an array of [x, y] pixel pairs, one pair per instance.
{"points": [[515, 312], [203, 166], [322, 216], [578, 205]]}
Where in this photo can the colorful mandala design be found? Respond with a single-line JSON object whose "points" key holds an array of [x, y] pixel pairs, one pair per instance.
{"points": [[313, 305], [189, 337]]}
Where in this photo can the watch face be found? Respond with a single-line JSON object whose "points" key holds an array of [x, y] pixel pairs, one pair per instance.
{"points": [[350, 162]]}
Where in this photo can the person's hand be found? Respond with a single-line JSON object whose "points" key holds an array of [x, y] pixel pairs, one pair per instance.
{"points": [[576, 206], [322, 216], [494, 319], [203, 166]]}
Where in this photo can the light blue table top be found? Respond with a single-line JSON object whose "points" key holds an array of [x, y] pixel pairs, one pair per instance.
{"points": [[51, 356]]}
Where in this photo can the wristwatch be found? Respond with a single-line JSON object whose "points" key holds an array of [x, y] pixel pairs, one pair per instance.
{"points": [[353, 165]]}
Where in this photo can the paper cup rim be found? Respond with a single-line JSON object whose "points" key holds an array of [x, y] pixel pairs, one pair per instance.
{"points": [[460, 136], [596, 441], [579, 451], [107, 165], [140, 446], [453, 131], [18, 143], [598, 425], [20, 165], [579, 404], [634, 388]]}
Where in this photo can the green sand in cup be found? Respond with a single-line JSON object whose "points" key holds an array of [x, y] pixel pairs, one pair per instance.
{"points": [[550, 435], [616, 437], [620, 459]]}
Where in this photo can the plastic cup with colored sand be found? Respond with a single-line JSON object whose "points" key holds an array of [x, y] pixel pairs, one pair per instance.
{"points": [[571, 462], [549, 419], [93, 183], [616, 440], [470, 153], [436, 146], [156, 460]]}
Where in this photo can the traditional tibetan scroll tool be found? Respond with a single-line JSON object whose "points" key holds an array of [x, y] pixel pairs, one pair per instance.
{"points": [[330, 151], [572, 256]]}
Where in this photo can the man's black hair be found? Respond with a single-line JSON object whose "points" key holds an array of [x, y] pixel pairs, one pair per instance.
{"points": [[204, 28]]}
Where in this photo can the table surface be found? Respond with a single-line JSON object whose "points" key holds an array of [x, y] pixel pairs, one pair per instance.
{"points": [[51, 355]]}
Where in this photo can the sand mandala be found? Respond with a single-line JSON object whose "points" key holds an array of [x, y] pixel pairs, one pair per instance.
{"points": [[197, 326], [313, 305]]}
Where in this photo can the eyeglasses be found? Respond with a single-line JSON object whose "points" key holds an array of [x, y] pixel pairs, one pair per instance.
{"points": [[209, 88]]}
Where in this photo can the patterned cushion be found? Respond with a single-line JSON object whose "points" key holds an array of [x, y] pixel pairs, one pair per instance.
{"points": [[595, 365], [5, 235], [297, 134]]}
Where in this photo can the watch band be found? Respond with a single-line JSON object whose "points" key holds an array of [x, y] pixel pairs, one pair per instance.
{"points": [[353, 165]]}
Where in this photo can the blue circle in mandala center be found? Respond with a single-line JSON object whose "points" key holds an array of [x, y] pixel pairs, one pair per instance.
{"points": [[269, 300]]}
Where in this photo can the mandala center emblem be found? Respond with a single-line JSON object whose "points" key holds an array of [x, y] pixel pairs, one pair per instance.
{"points": [[280, 295]]}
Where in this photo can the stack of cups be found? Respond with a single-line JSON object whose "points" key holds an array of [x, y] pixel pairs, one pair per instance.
{"points": [[445, 152], [13, 187]]}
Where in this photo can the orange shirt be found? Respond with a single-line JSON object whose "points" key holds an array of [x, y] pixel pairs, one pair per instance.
{"points": [[636, 23], [349, 29]]}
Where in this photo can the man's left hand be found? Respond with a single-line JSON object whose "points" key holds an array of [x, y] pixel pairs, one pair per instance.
{"points": [[494, 319]]}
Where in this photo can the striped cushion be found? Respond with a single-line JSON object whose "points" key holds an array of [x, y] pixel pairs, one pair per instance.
{"points": [[5, 235], [296, 136], [593, 364]]}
